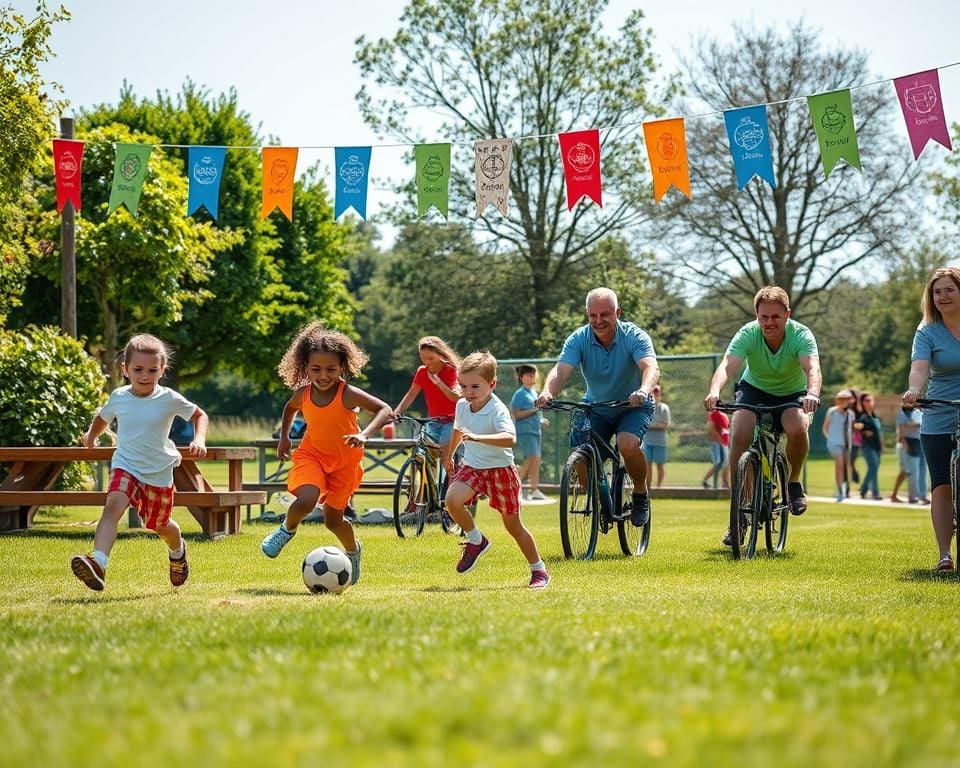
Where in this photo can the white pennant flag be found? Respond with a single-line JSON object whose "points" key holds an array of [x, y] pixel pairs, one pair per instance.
{"points": [[492, 168]]}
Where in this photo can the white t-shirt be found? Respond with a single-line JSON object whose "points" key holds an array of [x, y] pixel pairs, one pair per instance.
{"points": [[492, 418], [144, 448]]}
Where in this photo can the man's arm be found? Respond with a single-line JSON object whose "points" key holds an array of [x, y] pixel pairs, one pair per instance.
{"points": [[811, 367], [649, 376], [725, 371], [554, 383]]}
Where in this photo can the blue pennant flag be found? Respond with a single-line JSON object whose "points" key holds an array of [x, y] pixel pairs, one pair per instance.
{"points": [[204, 169], [750, 144], [352, 172]]}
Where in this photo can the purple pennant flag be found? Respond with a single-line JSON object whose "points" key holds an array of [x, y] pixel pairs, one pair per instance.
{"points": [[922, 107]]}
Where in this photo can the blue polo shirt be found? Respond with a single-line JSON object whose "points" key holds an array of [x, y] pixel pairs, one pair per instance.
{"points": [[611, 373]]}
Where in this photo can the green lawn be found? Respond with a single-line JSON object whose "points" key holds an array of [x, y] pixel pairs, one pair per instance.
{"points": [[840, 652]]}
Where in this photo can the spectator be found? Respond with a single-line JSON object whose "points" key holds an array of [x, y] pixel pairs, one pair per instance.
{"points": [[655, 441], [718, 426], [525, 413], [838, 429], [856, 439], [869, 426], [908, 454]]}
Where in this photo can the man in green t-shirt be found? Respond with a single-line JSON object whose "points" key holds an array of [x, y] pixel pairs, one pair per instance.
{"points": [[783, 367]]}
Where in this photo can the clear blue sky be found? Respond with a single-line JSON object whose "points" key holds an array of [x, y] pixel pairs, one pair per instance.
{"points": [[292, 62]]}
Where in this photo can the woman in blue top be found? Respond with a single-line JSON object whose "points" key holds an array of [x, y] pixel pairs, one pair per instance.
{"points": [[935, 361]]}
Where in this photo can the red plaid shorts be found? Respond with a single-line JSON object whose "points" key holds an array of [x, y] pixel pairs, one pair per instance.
{"points": [[153, 503], [501, 485]]}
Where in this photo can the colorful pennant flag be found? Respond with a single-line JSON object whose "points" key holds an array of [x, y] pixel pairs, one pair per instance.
{"points": [[832, 115], [749, 137], [666, 142], [205, 170], [491, 167], [129, 172], [352, 177], [433, 177], [580, 151], [922, 108], [67, 162], [279, 173]]}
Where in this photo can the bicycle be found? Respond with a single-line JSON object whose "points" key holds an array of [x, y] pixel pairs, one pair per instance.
{"points": [[954, 460], [593, 492], [420, 486], [760, 492]]}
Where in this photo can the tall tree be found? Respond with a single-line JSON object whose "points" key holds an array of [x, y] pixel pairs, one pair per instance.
{"points": [[503, 68], [808, 231]]}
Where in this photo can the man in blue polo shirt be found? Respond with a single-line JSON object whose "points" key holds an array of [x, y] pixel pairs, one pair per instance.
{"points": [[617, 361]]}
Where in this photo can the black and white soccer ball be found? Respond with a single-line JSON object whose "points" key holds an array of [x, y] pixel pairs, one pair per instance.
{"points": [[327, 569]]}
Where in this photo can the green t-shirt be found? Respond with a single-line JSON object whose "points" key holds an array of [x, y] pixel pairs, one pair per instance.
{"points": [[780, 372]]}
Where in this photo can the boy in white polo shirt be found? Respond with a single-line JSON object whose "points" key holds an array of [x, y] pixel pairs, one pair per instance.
{"points": [[484, 425]]}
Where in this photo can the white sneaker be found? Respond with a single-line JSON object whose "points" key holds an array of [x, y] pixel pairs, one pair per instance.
{"points": [[536, 495], [525, 494]]}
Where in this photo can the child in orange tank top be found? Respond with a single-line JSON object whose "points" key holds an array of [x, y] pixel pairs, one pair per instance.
{"points": [[328, 464]]}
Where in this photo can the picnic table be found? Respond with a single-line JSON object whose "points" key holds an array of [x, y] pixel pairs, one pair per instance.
{"points": [[33, 470]]}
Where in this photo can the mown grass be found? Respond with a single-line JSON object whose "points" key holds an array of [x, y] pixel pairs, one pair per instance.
{"points": [[840, 652]]}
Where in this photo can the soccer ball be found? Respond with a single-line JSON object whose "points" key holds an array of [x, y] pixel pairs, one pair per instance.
{"points": [[327, 569]]}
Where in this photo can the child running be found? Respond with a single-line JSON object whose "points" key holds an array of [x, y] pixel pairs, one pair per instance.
{"points": [[484, 425], [141, 471], [328, 464], [437, 379]]}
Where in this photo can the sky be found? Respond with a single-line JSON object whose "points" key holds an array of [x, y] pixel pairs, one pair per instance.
{"points": [[291, 61]]}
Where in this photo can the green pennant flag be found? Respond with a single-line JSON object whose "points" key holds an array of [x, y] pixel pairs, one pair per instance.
{"points": [[832, 115], [433, 177], [129, 171]]}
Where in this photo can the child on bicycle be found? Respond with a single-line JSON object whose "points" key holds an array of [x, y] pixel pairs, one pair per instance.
{"points": [[482, 422], [328, 463], [141, 471], [523, 406]]}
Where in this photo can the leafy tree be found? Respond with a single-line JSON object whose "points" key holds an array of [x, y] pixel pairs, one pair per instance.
{"points": [[501, 68], [808, 231], [25, 130]]}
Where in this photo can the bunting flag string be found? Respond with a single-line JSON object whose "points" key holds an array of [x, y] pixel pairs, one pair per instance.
{"points": [[747, 131]]}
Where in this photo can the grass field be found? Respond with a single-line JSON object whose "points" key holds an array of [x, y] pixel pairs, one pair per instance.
{"points": [[840, 652]]}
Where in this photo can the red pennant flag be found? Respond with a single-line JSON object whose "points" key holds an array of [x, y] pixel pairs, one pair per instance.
{"points": [[67, 160], [581, 166]]}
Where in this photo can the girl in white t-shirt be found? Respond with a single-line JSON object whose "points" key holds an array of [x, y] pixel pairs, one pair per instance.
{"points": [[141, 471], [482, 422]]}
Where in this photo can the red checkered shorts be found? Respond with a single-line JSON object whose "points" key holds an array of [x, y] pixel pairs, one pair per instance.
{"points": [[153, 503], [501, 485]]}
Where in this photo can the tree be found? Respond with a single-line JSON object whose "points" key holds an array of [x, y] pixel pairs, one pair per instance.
{"points": [[501, 68], [808, 231], [25, 130]]}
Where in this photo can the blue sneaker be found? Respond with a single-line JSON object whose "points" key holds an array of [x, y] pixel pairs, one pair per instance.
{"points": [[276, 541], [355, 563]]}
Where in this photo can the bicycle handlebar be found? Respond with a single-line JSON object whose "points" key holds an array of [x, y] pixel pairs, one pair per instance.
{"points": [[423, 422], [757, 409], [582, 405], [922, 401]]}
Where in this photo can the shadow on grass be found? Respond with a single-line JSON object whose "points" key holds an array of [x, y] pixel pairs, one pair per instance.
{"points": [[723, 554], [452, 590], [271, 592], [94, 599], [86, 531], [927, 574]]}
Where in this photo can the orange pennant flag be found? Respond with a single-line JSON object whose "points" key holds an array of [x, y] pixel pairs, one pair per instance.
{"points": [[667, 149], [279, 170]]}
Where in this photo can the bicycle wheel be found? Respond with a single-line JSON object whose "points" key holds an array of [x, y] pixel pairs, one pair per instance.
{"points": [[745, 499], [775, 526], [579, 507], [410, 499], [633, 540]]}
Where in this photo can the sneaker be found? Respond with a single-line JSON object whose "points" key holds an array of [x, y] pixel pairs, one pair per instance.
{"points": [[179, 569], [471, 553], [536, 495], [798, 500], [89, 571], [355, 563], [539, 579], [525, 495], [640, 514], [945, 565], [728, 539], [275, 541], [705, 484]]}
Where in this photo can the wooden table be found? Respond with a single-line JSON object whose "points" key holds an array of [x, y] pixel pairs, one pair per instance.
{"points": [[32, 472]]}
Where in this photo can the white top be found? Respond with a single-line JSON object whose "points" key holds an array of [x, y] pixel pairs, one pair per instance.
{"points": [[492, 418], [144, 448]]}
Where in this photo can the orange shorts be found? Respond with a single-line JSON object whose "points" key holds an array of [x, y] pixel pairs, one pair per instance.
{"points": [[337, 475], [152, 502]]}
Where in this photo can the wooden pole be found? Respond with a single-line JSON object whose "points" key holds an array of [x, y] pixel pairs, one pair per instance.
{"points": [[68, 254]]}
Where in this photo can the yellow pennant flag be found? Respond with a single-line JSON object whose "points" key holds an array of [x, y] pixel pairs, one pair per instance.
{"points": [[667, 149], [279, 170]]}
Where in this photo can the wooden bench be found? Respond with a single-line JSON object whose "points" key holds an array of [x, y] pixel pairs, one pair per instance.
{"points": [[32, 472]]}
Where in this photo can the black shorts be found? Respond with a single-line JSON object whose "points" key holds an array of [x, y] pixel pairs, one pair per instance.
{"points": [[937, 450], [748, 394]]}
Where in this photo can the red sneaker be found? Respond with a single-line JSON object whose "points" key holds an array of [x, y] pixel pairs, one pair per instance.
{"points": [[89, 571], [539, 579], [179, 569], [471, 553]]}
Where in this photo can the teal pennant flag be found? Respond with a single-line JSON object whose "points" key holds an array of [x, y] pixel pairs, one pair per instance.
{"points": [[433, 177], [750, 144], [832, 115], [129, 171], [205, 171]]}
